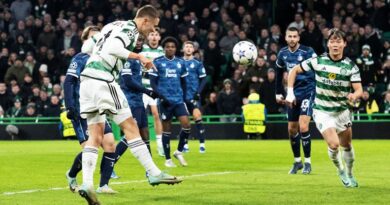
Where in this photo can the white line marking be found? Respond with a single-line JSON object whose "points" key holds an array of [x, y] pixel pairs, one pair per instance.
{"points": [[116, 183]]}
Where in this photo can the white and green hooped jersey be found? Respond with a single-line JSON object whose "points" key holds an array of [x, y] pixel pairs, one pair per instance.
{"points": [[150, 53], [333, 81], [102, 65]]}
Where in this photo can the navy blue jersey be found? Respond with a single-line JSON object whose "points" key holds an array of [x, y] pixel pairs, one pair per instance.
{"points": [[195, 71], [168, 75], [305, 82], [72, 82], [132, 71]]}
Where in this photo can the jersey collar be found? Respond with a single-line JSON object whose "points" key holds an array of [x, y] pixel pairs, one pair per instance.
{"points": [[170, 59], [341, 59], [288, 48]]}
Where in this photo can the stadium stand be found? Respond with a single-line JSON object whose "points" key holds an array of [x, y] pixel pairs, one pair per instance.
{"points": [[39, 37]]}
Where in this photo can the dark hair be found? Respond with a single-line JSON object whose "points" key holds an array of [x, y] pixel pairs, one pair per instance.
{"points": [[292, 28], [169, 39], [337, 33], [147, 11]]}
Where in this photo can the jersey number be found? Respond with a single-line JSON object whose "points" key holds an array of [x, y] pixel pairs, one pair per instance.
{"points": [[102, 40]]}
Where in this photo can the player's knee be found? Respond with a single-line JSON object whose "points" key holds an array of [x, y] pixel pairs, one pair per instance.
{"points": [[292, 132], [333, 145], [109, 143], [109, 147], [186, 126], [304, 128], [293, 129]]}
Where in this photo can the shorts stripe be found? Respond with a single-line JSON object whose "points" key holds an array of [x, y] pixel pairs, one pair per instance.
{"points": [[114, 96], [117, 98], [185, 105]]}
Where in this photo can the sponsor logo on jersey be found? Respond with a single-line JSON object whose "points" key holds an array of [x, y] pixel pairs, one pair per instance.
{"points": [[192, 65], [170, 73], [300, 58], [332, 76]]}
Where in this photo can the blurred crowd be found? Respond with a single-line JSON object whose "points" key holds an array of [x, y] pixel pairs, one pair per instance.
{"points": [[38, 38]]}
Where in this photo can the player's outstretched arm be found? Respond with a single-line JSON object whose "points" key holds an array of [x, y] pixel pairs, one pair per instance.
{"points": [[116, 47], [133, 84], [292, 75]]}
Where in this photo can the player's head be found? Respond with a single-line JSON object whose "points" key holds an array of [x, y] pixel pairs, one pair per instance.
{"points": [[154, 38], [147, 18], [170, 45], [188, 48], [336, 42], [292, 37], [88, 32], [138, 45]]}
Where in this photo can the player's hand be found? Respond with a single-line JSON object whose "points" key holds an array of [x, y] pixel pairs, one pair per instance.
{"points": [[72, 114], [352, 97], [153, 94], [147, 63], [290, 98], [280, 99]]}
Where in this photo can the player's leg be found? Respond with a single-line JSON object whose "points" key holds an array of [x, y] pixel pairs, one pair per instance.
{"points": [[306, 107], [89, 157], [108, 161], [190, 108], [166, 140], [326, 124], [92, 103], [139, 114], [294, 136], [199, 129], [136, 145], [80, 127], [181, 114], [157, 128], [141, 152], [304, 121], [348, 153]]}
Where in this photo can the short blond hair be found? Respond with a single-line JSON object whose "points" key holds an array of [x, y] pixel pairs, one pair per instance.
{"points": [[147, 11], [85, 34]]}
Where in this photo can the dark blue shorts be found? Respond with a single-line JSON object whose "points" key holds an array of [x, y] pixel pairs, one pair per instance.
{"points": [[81, 129], [192, 106], [303, 106], [176, 110], [139, 114]]}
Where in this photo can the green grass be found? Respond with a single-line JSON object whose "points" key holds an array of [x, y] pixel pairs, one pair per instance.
{"points": [[231, 172]]}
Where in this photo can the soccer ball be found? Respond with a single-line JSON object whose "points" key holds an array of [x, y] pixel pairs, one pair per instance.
{"points": [[244, 53]]}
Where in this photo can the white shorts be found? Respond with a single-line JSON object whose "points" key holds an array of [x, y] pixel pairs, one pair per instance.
{"points": [[98, 98], [324, 120], [148, 100]]}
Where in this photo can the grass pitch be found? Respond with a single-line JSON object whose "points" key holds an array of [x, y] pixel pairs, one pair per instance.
{"points": [[231, 172]]}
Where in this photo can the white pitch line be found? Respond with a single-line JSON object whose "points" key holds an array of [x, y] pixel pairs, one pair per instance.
{"points": [[124, 182]]}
